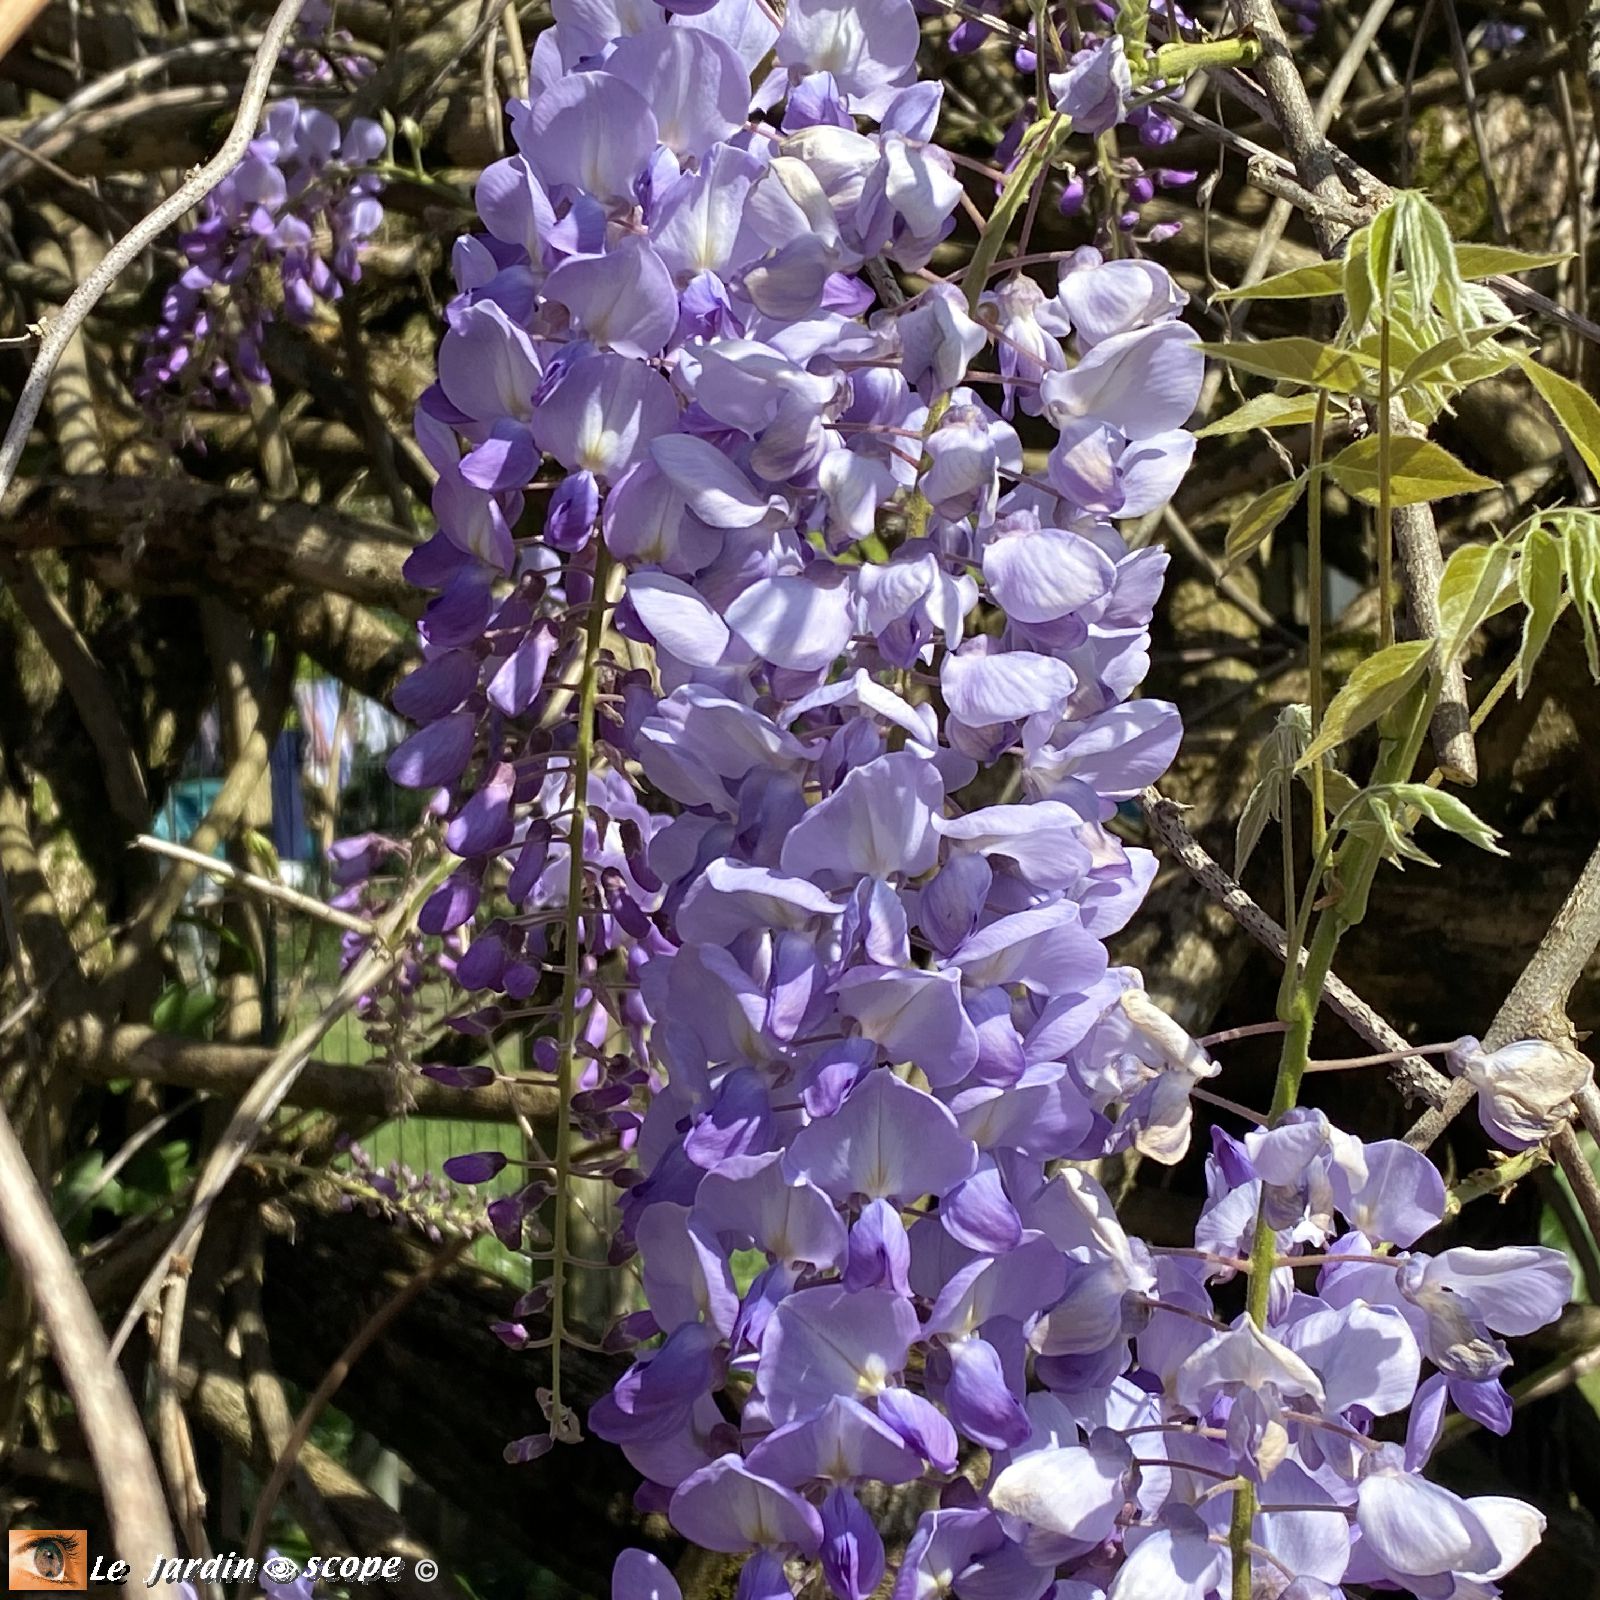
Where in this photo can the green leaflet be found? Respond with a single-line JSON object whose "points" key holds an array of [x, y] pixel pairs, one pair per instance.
{"points": [[1540, 575], [1250, 529], [1445, 811], [1474, 586], [1419, 470], [1264, 411], [1493, 260], [1274, 763], [1581, 530], [1575, 409], [1308, 362], [1455, 346], [1379, 682], [1300, 283]]}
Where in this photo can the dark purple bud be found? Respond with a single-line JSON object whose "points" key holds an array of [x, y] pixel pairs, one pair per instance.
{"points": [[451, 904], [354, 859], [437, 687], [628, 1331], [516, 684], [480, 1167], [484, 824], [592, 1102], [506, 1217], [652, 1499], [530, 863], [460, 1077], [481, 967], [534, 1303], [511, 1334], [476, 1024], [622, 905], [435, 755]]}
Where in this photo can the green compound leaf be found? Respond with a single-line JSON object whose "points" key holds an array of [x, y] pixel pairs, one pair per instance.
{"points": [[1274, 763], [1445, 811]]}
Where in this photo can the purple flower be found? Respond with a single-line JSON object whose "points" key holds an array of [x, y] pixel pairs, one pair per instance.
{"points": [[1094, 89]]}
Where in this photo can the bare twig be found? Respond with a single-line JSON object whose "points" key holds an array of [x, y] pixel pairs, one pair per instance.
{"points": [[268, 1402], [173, 1439], [1580, 1176], [1480, 139], [126, 250], [162, 904], [129, 1481], [307, 905], [112, 83], [1537, 1004], [1414, 1075], [351, 1092]]}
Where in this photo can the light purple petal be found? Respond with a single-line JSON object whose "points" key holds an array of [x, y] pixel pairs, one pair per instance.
{"points": [[752, 1199], [696, 86], [714, 489], [915, 1016], [589, 130], [878, 824], [602, 414], [984, 691], [726, 1506], [841, 1442], [825, 1341], [623, 300], [801, 622], [888, 1141], [1419, 1529], [1041, 574], [638, 1575]]}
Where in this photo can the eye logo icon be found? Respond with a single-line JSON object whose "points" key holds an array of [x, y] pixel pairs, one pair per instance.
{"points": [[48, 1558]]}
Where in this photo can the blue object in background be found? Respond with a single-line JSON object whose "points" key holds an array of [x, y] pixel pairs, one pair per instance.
{"points": [[291, 837], [187, 802]]}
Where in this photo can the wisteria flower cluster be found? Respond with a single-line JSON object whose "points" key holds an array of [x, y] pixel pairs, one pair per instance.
{"points": [[281, 235], [802, 716]]}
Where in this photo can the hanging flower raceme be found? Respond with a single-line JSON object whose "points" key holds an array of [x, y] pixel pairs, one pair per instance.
{"points": [[300, 206], [715, 744]]}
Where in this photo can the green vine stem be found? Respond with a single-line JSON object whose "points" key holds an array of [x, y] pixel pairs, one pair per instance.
{"points": [[1385, 528], [1314, 617], [571, 977], [1357, 859], [1039, 144]]}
